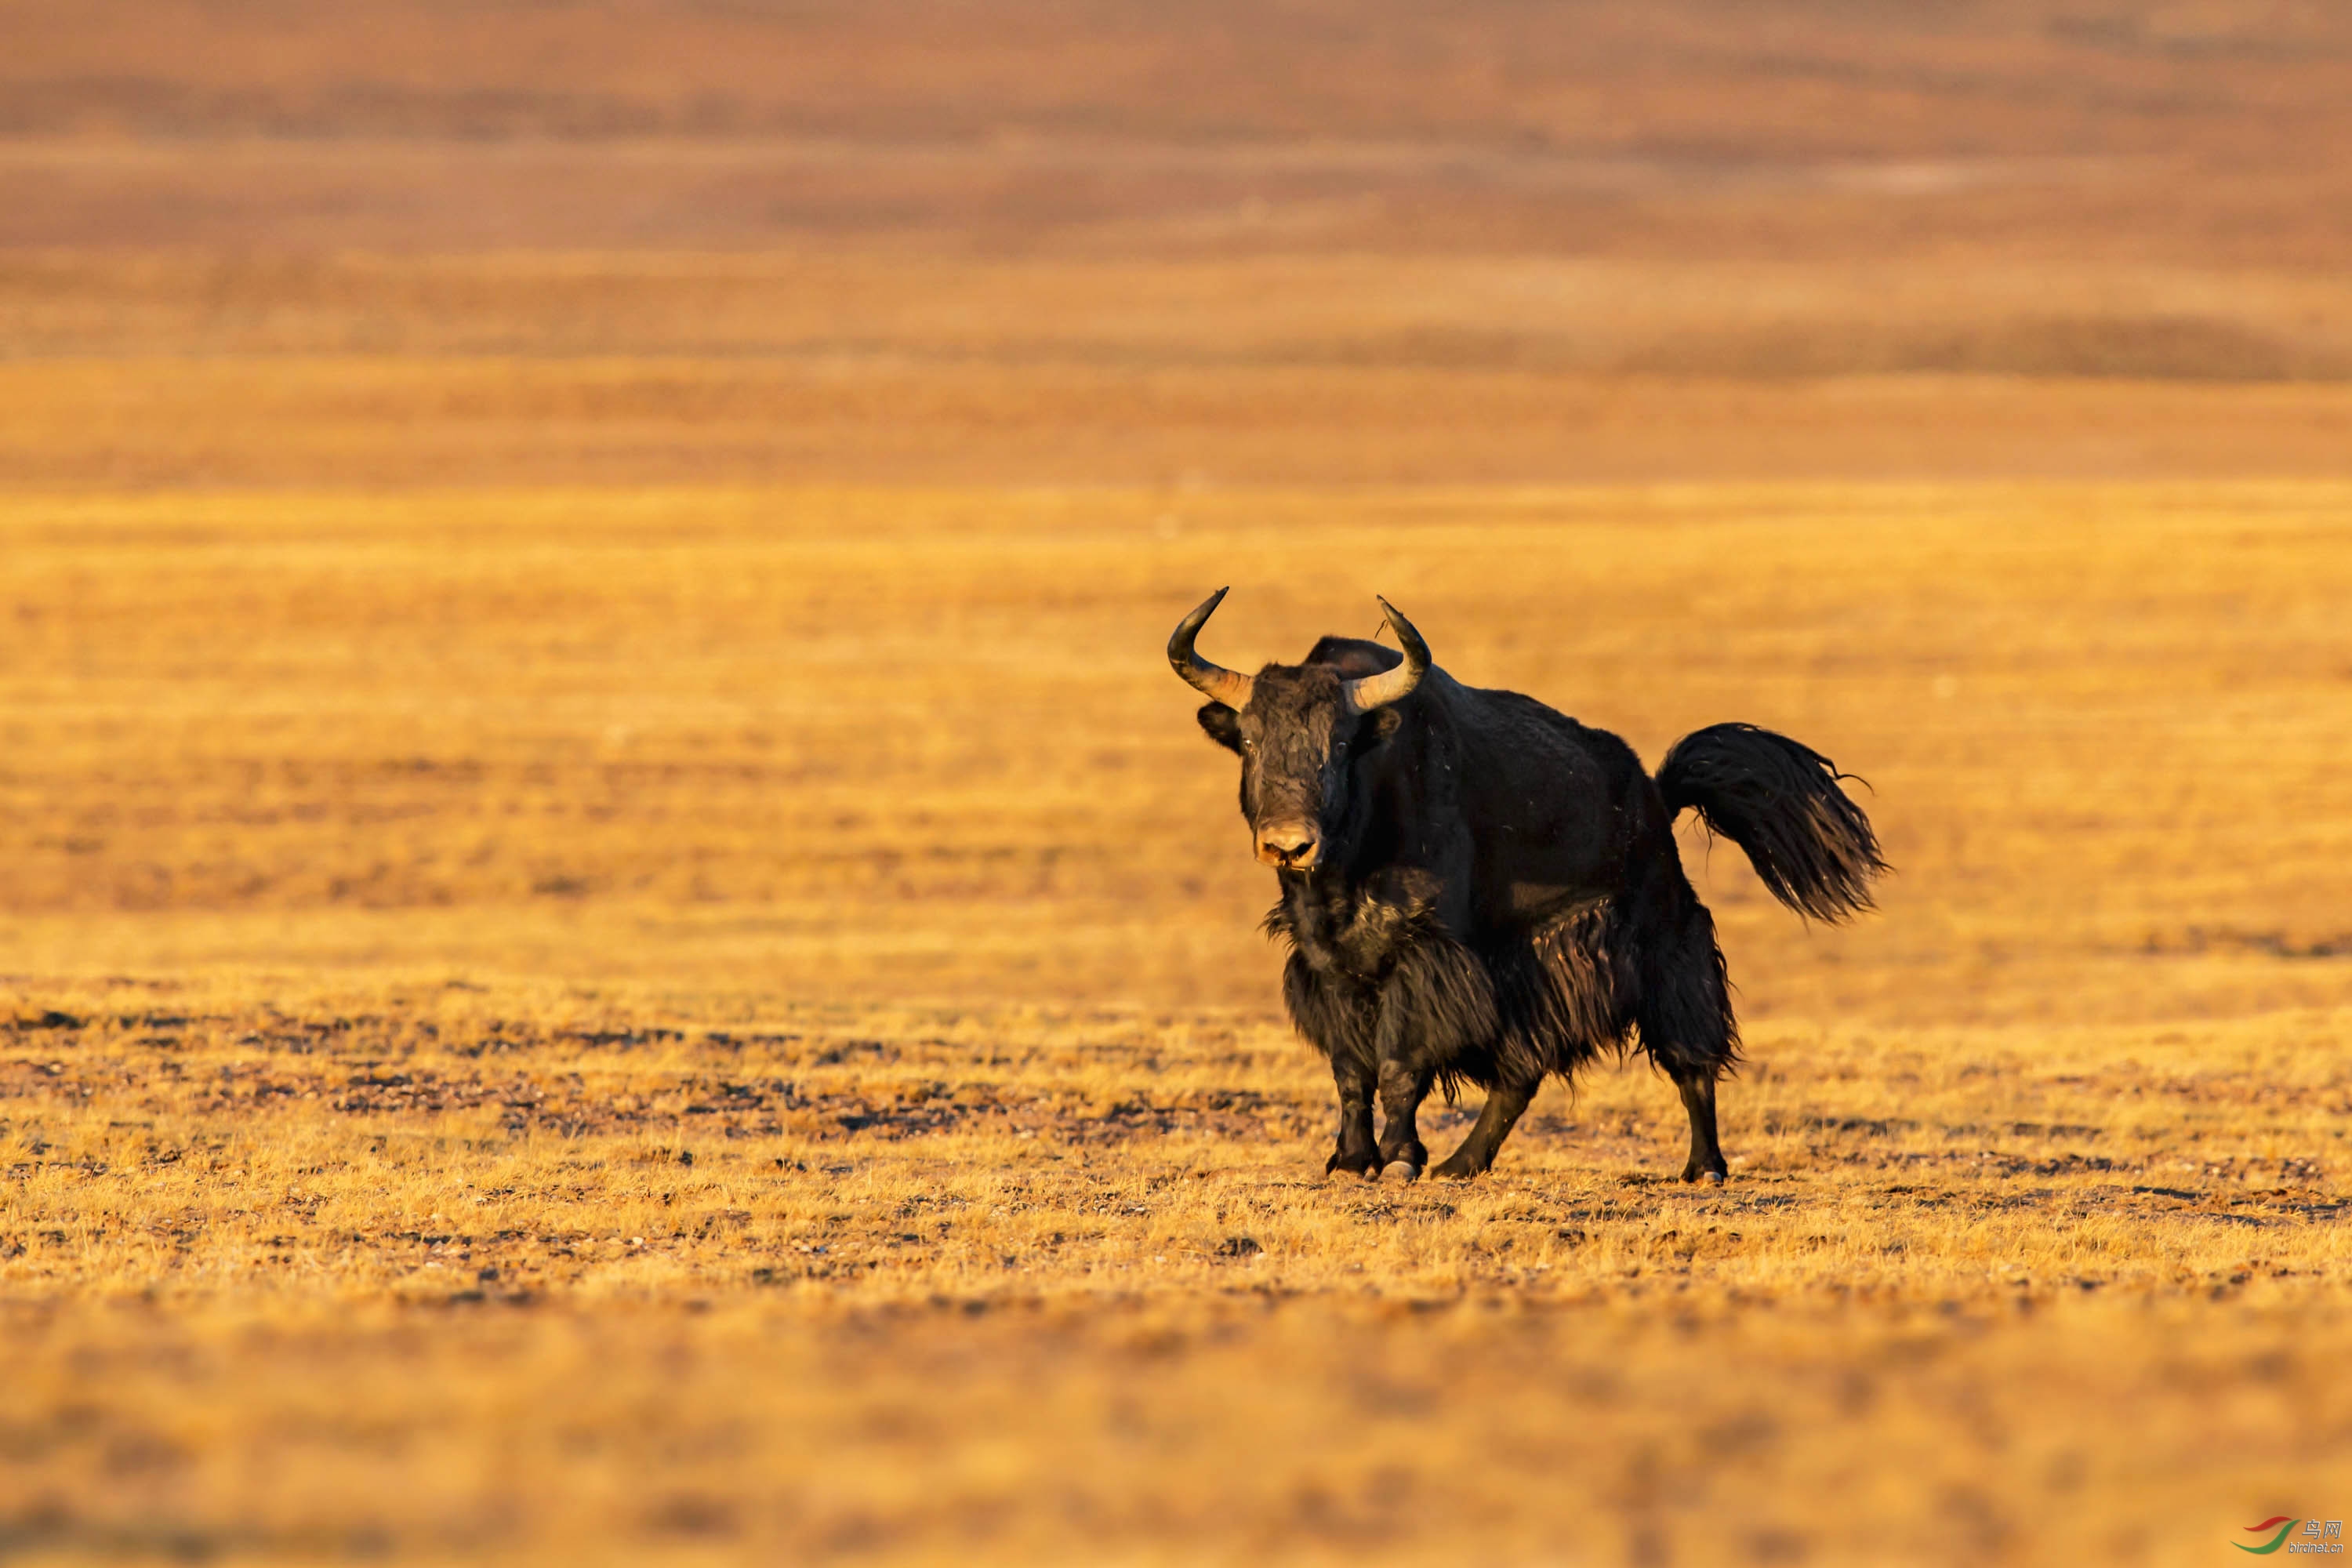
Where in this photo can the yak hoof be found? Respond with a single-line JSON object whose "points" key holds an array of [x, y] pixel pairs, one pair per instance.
{"points": [[1400, 1171]]}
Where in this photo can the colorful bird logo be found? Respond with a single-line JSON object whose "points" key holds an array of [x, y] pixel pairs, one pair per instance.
{"points": [[2274, 1543]]}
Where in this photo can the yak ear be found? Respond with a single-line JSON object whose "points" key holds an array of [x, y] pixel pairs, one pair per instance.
{"points": [[1222, 724], [1382, 723]]}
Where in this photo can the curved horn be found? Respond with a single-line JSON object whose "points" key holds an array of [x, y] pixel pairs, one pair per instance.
{"points": [[1392, 685], [1212, 680]]}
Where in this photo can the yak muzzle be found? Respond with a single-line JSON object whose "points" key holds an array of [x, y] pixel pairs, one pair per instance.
{"points": [[1288, 846]]}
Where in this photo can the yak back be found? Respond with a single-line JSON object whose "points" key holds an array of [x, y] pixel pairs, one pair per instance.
{"points": [[1558, 809], [1551, 811]]}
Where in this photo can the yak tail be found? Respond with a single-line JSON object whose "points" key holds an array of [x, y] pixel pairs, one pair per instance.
{"points": [[1778, 801]]}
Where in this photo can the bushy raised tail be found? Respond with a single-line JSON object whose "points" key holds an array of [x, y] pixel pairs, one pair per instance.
{"points": [[1778, 801]]}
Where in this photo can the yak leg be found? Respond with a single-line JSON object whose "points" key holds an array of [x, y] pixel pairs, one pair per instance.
{"points": [[1706, 1151], [1506, 1103], [1404, 1078], [1356, 1152], [1404, 1086], [1686, 1026]]}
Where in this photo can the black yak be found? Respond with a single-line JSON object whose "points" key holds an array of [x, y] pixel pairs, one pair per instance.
{"points": [[1475, 887]]}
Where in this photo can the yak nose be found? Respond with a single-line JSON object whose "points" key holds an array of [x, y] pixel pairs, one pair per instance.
{"points": [[1286, 846]]}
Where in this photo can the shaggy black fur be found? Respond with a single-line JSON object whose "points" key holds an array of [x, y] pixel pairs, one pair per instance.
{"points": [[1496, 895]]}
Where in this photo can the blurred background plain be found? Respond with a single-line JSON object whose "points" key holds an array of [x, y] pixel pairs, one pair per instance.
{"points": [[1105, 242]]}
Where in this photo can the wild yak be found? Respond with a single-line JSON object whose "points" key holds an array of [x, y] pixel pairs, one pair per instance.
{"points": [[1477, 888]]}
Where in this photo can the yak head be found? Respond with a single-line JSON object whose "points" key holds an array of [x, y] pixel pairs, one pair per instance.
{"points": [[1303, 733]]}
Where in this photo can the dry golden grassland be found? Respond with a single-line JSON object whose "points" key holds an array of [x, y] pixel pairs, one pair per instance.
{"points": [[696, 1023], [196, 369], [591, 973]]}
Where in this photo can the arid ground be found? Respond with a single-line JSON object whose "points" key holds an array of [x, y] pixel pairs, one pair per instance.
{"points": [[617, 946]]}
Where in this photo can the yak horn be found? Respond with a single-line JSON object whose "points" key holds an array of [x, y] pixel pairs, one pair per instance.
{"points": [[1389, 685], [1213, 681]]}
